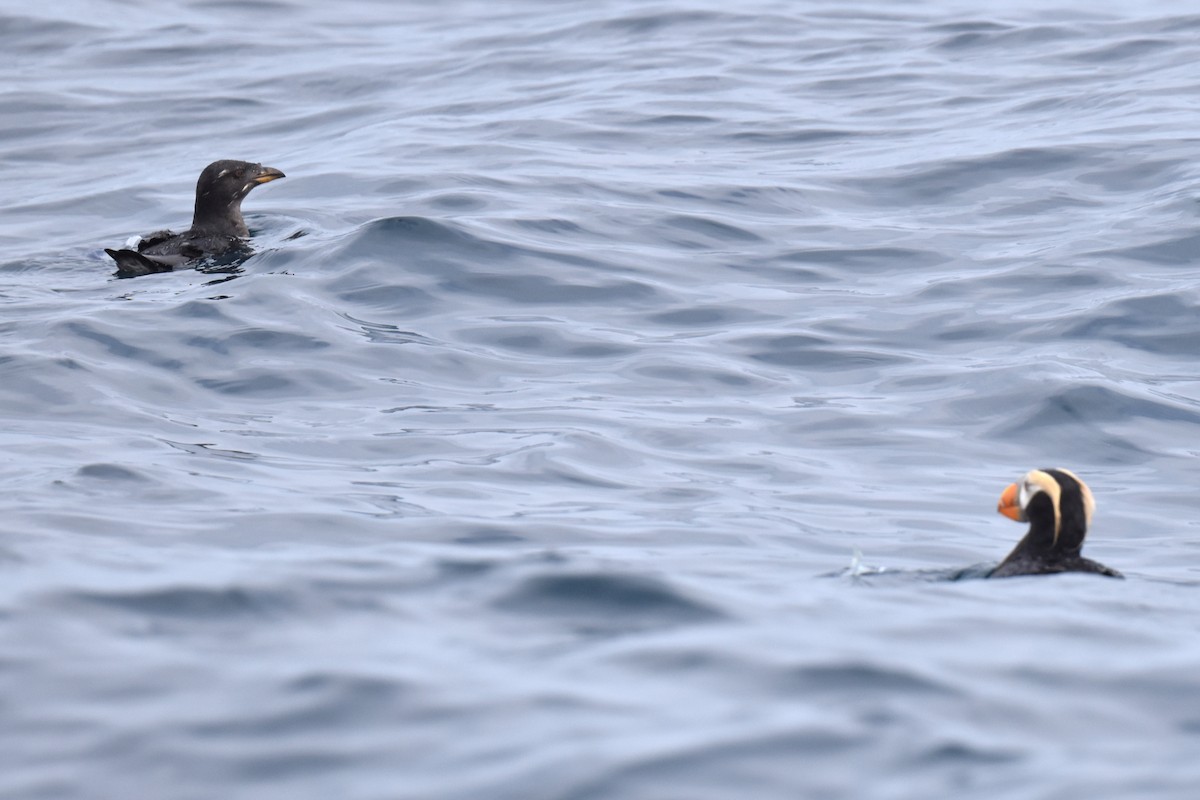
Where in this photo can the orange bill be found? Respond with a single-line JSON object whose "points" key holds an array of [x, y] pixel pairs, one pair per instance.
{"points": [[1009, 504]]}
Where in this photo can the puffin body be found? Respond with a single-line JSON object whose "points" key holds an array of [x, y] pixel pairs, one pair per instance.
{"points": [[1058, 507], [217, 224]]}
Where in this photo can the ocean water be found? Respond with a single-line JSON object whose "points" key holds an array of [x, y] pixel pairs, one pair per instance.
{"points": [[584, 348]]}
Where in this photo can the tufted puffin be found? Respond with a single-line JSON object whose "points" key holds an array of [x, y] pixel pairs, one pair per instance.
{"points": [[1058, 507]]}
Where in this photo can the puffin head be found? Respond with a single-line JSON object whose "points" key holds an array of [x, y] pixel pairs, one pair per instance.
{"points": [[1057, 505]]}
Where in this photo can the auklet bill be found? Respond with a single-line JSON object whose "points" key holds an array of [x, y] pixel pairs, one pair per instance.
{"points": [[1058, 507], [217, 223]]}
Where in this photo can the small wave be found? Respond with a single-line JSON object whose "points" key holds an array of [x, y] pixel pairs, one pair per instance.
{"points": [[712, 230], [859, 677], [939, 181], [606, 601], [802, 350], [1166, 324], [188, 602]]}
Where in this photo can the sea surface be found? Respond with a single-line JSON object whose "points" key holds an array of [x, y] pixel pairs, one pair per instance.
{"points": [[612, 390]]}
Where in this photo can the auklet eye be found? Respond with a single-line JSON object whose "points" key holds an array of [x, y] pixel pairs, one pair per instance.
{"points": [[239, 174]]}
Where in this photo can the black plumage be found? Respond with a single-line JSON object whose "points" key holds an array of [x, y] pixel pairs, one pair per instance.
{"points": [[217, 223], [1058, 507]]}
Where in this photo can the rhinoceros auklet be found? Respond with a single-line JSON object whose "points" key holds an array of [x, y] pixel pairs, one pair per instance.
{"points": [[217, 225], [1058, 507]]}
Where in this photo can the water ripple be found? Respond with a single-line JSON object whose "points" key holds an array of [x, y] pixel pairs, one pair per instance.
{"points": [[581, 343]]}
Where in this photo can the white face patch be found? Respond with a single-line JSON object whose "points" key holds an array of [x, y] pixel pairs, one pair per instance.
{"points": [[1028, 490], [222, 173], [1035, 482]]}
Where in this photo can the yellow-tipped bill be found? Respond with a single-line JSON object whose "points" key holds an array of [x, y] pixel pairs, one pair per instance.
{"points": [[269, 174]]}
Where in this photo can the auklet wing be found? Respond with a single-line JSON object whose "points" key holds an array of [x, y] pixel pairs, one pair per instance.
{"points": [[217, 223], [151, 239], [131, 264]]}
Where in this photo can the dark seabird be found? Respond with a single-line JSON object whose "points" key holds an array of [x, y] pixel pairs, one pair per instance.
{"points": [[1058, 507], [217, 225]]}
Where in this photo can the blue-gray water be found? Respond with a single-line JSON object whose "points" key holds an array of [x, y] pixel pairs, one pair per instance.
{"points": [[584, 345]]}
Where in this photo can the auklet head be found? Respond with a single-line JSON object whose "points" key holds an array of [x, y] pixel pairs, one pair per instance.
{"points": [[219, 193]]}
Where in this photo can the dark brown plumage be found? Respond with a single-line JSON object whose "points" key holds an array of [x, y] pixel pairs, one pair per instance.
{"points": [[217, 223]]}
